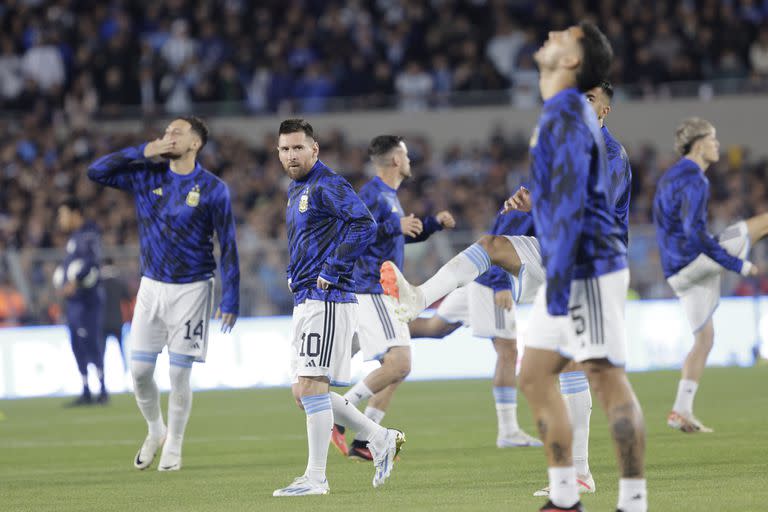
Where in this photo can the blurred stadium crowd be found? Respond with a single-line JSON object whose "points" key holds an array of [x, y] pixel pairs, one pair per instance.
{"points": [[43, 162], [167, 55]]}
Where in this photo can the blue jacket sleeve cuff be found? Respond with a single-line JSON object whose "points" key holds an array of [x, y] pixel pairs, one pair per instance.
{"points": [[334, 280]]}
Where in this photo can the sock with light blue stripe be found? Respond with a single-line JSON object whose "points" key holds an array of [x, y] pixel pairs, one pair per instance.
{"points": [[319, 426], [573, 382], [179, 401], [461, 270], [575, 389], [506, 410]]}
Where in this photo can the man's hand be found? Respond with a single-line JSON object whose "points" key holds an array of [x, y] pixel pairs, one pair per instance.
{"points": [[158, 147], [446, 219], [520, 201], [227, 320], [323, 284], [411, 226], [503, 299], [754, 271]]}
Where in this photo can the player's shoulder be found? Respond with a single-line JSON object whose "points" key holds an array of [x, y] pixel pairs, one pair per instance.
{"points": [[214, 183]]}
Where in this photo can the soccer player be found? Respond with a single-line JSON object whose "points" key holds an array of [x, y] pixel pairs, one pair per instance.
{"points": [[487, 305], [520, 255], [329, 227], [578, 314], [179, 206], [381, 336], [78, 280], [691, 258]]}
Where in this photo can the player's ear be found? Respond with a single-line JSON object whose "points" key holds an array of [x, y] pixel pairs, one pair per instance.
{"points": [[315, 148]]}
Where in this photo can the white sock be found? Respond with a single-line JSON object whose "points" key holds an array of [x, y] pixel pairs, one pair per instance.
{"points": [[506, 410], [358, 393], [348, 415], [179, 402], [147, 394], [563, 490], [633, 496], [376, 416], [575, 389], [319, 425], [686, 392], [462, 269]]}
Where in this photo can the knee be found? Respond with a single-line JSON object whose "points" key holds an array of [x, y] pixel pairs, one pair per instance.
{"points": [[399, 363], [529, 381], [142, 372], [296, 392], [491, 244], [506, 350]]}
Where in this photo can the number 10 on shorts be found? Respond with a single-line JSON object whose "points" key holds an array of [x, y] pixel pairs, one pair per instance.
{"points": [[310, 344]]}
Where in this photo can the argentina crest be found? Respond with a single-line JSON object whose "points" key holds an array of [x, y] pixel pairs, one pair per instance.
{"points": [[304, 202], [193, 197]]}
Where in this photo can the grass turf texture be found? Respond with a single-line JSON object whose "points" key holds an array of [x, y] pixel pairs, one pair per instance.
{"points": [[241, 445]]}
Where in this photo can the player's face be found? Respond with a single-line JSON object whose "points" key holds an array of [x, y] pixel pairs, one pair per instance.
{"points": [[183, 137], [403, 160], [709, 147], [561, 49], [599, 101], [298, 153]]}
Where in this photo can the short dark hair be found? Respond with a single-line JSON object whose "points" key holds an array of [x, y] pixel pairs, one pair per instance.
{"points": [[297, 125], [597, 57], [199, 127], [73, 204], [607, 88], [383, 144]]}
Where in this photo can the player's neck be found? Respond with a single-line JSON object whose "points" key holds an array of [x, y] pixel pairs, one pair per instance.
{"points": [[552, 82], [391, 177], [184, 165], [698, 160]]}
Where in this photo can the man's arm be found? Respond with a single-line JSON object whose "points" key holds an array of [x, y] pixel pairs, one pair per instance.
{"points": [[340, 200], [224, 223], [432, 224], [693, 211], [117, 170], [560, 206]]}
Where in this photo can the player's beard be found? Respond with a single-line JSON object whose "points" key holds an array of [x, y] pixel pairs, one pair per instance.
{"points": [[172, 156]]}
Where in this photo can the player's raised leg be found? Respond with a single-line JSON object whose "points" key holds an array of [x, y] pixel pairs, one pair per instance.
{"points": [[461, 270]]}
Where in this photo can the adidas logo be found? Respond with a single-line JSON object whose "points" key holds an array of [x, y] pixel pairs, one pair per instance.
{"points": [[311, 364], [195, 345], [158, 191]]}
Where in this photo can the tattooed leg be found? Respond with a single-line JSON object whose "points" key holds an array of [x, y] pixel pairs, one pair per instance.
{"points": [[625, 417], [539, 382]]}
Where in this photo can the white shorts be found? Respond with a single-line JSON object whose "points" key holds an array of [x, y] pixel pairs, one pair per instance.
{"points": [[698, 283], [594, 329], [321, 337], [379, 329], [176, 315], [532, 275], [473, 305]]}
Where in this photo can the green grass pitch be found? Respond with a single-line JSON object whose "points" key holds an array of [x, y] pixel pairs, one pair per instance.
{"points": [[241, 445]]}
